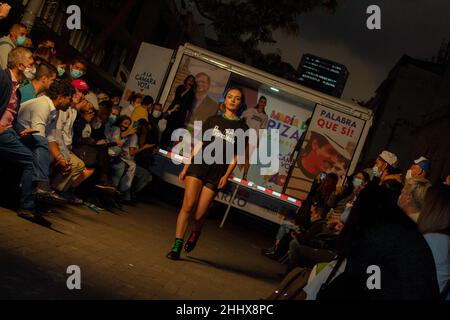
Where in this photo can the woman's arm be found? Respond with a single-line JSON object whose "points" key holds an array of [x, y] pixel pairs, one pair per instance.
{"points": [[223, 181]]}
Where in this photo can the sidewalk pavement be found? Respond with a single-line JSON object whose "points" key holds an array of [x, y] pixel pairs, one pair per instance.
{"points": [[122, 256]]}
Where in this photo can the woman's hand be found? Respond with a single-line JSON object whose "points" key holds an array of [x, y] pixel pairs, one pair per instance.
{"points": [[182, 176], [223, 182]]}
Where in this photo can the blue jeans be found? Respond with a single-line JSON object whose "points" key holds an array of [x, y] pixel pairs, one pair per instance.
{"points": [[12, 150], [41, 157], [283, 230], [118, 169]]}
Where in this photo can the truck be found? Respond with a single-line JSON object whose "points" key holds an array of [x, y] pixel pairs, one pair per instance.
{"points": [[318, 133]]}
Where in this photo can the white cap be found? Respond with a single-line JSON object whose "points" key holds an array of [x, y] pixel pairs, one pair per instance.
{"points": [[389, 157], [92, 98], [420, 160]]}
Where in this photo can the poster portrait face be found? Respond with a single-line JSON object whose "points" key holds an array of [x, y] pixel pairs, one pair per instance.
{"points": [[322, 154], [210, 83], [202, 82]]}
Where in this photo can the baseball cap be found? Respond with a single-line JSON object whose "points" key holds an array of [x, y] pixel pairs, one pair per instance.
{"points": [[423, 163], [389, 157], [80, 85]]}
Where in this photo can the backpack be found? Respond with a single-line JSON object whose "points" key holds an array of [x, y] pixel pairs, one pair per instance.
{"points": [[291, 288]]}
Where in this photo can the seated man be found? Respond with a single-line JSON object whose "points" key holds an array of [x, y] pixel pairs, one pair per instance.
{"points": [[12, 149], [70, 170], [38, 115], [310, 247], [45, 75]]}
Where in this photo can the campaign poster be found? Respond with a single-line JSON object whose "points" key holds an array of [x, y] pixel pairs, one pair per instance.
{"points": [[201, 100], [148, 72], [288, 117], [329, 146]]}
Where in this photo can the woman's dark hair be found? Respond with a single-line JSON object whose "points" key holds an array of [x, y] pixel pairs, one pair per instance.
{"points": [[375, 206], [328, 186], [261, 98], [235, 88], [121, 119], [187, 78]]}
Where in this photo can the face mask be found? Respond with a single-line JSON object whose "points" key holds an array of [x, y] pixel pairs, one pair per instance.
{"points": [[156, 114], [408, 174], [162, 125], [112, 118], [376, 172], [96, 125], [74, 73], [357, 182], [399, 204], [30, 73], [20, 41], [61, 71]]}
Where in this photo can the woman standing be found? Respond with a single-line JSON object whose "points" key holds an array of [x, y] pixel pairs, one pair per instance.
{"points": [[179, 109], [257, 119], [203, 181]]}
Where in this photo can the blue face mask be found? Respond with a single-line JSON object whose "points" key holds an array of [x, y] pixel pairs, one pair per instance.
{"points": [[357, 182], [112, 119], [61, 71], [20, 41], [74, 73]]}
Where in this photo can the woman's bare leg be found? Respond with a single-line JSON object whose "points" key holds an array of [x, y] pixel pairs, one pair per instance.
{"points": [[191, 196], [204, 202]]}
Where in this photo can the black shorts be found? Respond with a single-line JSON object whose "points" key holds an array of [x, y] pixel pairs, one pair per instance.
{"points": [[210, 175]]}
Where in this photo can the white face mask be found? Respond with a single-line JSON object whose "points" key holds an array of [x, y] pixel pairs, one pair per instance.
{"points": [[162, 124], [30, 72], [408, 174], [376, 172], [156, 114]]}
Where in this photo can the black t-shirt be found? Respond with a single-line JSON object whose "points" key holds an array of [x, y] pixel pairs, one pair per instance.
{"points": [[224, 130]]}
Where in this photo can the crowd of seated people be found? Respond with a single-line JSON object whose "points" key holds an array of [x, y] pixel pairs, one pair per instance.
{"points": [[71, 144], [399, 222]]}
